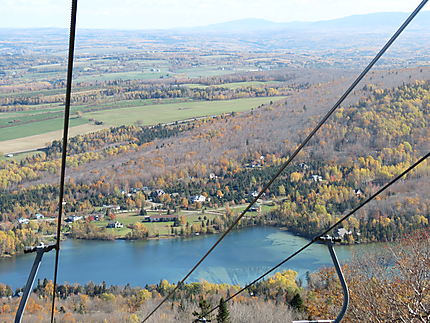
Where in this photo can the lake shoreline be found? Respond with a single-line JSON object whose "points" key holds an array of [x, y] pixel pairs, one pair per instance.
{"points": [[149, 261]]}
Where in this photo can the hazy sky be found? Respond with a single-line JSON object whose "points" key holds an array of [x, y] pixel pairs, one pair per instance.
{"points": [[147, 14]]}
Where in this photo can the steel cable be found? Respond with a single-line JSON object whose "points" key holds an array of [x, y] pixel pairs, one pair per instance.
{"points": [[315, 239], [297, 151], [64, 152]]}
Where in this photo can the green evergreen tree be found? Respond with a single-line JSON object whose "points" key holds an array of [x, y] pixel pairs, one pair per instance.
{"points": [[223, 313], [204, 307], [297, 302]]}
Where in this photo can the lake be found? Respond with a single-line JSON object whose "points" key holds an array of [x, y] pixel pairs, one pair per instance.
{"points": [[241, 257]]}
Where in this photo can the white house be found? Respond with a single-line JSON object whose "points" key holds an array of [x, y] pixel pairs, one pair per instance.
{"points": [[303, 166], [115, 225], [198, 198], [23, 221], [159, 192], [73, 218], [358, 192], [341, 232], [316, 178]]}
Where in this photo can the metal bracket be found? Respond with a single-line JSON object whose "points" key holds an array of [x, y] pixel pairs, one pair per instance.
{"points": [[329, 241], [40, 250]]}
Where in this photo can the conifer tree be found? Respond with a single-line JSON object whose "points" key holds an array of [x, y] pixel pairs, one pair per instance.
{"points": [[223, 313]]}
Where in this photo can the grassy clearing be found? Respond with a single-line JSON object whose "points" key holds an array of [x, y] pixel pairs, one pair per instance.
{"points": [[124, 76], [246, 84], [162, 228], [37, 134], [26, 118], [265, 208], [195, 86], [33, 93], [164, 113], [36, 128], [139, 103], [235, 85], [204, 71], [20, 156], [40, 141]]}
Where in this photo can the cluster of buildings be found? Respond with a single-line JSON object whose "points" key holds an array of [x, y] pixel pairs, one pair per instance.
{"points": [[37, 216]]}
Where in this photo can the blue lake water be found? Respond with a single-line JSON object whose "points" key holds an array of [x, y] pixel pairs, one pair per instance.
{"points": [[241, 257]]}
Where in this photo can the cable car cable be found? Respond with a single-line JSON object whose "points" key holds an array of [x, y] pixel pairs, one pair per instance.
{"points": [[315, 239], [72, 37], [298, 149]]}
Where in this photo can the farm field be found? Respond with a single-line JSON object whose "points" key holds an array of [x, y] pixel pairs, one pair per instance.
{"points": [[233, 85], [164, 113], [41, 140], [38, 132], [123, 76], [36, 128]]}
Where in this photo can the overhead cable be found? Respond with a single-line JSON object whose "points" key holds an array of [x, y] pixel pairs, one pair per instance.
{"points": [[316, 238], [64, 152], [297, 151]]}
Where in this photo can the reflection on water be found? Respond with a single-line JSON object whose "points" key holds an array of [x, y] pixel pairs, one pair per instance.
{"points": [[240, 258]]}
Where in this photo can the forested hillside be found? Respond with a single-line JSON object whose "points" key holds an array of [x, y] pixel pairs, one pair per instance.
{"points": [[227, 158]]}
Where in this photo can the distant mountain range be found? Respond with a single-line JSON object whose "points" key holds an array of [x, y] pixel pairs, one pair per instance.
{"points": [[377, 22]]}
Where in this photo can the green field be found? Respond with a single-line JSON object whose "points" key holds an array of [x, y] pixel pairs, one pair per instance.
{"points": [[146, 75], [21, 156], [234, 85], [162, 228], [164, 113], [36, 128], [144, 112], [264, 209]]}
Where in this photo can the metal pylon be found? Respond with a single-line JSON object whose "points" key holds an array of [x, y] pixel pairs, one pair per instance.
{"points": [[329, 241], [40, 250]]}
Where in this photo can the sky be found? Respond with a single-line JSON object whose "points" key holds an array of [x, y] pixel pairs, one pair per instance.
{"points": [[166, 14]]}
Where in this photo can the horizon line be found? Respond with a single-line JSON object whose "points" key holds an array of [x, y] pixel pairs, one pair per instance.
{"points": [[184, 28]]}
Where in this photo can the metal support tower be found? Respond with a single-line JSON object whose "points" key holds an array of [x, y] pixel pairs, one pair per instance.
{"points": [[329, 241], [40, 250]]}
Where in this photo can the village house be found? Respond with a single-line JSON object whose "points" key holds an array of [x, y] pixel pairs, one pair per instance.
{"points": [[255, 208], [198, 198], [316, 178], [212, 176], [159, 192], [358, 192], [115, 225], [73, 218], [304, 166], [341, 232], [23, 221], [254, 194], [160, 218], [93, 218]]}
